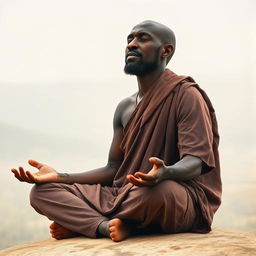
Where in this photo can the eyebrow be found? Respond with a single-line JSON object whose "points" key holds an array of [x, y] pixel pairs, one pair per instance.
{"points": [[140, 33]]}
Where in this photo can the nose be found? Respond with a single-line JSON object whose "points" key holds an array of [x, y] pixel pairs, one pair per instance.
{"points": [[132, 44]]}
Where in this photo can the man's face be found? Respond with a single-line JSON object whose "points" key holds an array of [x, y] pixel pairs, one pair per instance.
{"points": [[142, 55]]}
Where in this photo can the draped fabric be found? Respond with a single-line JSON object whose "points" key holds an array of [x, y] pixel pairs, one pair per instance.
{"points": [[175, 118]]}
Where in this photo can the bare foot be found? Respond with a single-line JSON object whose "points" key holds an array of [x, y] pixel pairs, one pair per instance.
{"points": [[59, 232], [118, 231]]}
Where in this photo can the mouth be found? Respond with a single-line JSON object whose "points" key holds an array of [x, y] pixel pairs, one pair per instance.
{"points": [[132, 56]]}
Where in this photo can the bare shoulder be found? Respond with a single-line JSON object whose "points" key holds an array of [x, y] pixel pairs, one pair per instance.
{"points": [[126, 102], [124, 110]]}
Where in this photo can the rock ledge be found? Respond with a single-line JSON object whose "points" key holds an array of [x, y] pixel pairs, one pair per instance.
{"points": [[218, 242]]}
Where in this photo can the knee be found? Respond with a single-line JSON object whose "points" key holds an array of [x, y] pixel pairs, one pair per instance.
{"points": [[38, 193], [167, 187], [158, 194], [148, 196], [35, 195]]}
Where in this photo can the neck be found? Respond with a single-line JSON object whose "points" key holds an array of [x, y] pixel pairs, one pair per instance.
{"points": [[145, 82]]}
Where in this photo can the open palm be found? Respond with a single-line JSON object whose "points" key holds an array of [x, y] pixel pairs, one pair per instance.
{"points": [[152, 177], [45, 173]]}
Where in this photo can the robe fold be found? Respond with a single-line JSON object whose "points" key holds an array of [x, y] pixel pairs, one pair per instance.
{"points": [[175, 118]]}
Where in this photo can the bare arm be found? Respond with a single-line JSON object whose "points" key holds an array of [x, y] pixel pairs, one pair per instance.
{"points": [[187, 168], [103, 175]]}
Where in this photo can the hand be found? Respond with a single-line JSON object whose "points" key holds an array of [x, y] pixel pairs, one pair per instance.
{"points": [[155, 175], [45, 173]]}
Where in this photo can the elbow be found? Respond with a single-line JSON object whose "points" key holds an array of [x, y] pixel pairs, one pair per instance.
{"points": [[198, 171], [194, 172]]}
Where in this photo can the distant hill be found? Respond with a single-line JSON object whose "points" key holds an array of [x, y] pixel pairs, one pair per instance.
{"points": [[16, 141], [18, 145]]}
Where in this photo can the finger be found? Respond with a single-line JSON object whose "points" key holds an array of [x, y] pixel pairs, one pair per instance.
{"points": [[31, 177], [157, 161], [17, 174], [14, 171], [137, 182], [23, 174], [144, 176], [34, 163]]}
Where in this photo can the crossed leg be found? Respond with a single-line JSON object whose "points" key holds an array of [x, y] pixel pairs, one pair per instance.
{"points": [[167, 204], [65, 205], [71, 215], [59, 232]]}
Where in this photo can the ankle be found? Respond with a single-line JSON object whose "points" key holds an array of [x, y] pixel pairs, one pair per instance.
{"points": [[103, 228]]}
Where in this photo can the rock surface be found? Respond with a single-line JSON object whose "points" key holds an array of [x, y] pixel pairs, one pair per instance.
{"points": [[218, 242]]}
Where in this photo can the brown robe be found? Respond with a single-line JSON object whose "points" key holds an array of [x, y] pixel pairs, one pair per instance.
{"points": [[175, 118]]}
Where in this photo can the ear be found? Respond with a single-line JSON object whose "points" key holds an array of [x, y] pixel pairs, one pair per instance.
{"points": [[167, 51]]}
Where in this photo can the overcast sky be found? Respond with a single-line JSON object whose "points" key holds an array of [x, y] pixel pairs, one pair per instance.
{"points": [[61, 62]]}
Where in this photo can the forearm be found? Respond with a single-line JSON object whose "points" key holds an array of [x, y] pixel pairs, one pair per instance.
{"points": [[103, 175], [187, 168]]}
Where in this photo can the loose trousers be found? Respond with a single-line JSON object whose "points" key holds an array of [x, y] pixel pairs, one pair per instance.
{"points": [[167, 205]]}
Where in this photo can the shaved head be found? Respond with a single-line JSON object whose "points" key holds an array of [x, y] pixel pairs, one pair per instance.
{"points": [[165, 34]]}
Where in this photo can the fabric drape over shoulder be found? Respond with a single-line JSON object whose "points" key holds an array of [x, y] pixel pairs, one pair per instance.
{"points": [[175, 118]]}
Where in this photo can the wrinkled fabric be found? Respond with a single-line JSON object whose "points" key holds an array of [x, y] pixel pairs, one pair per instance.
{"points": [[175, 118], [166, 207]]}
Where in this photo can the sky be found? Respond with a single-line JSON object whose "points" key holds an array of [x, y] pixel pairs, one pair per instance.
{"points": [[61, 75], [61, 62]]}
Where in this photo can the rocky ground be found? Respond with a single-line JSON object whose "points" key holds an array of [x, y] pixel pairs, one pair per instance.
{"points": [[218, 242]]}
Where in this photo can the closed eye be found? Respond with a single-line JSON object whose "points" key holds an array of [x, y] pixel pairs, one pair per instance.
{"points": [[129, 38], [145, 38], [141, 36]]}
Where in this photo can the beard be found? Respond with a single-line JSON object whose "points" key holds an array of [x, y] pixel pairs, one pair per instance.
{"points": [[141, 68]]}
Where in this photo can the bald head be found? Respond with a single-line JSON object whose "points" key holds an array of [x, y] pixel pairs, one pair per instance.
{"points": [[165, 34]]}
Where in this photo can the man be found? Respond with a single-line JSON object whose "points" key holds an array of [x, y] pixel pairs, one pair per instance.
{"points": [[163, 166]]}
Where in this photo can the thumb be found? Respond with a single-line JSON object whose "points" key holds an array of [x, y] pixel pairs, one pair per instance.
{"points": [[35, 164], [156, 161]]}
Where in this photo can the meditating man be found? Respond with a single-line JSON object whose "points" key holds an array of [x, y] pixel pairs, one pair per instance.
{"points": [[163, 169]]}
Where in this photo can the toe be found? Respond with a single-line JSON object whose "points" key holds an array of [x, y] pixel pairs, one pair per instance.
{"points": [[58, 237], [112, 236], [112, 229], [52, 225]]}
